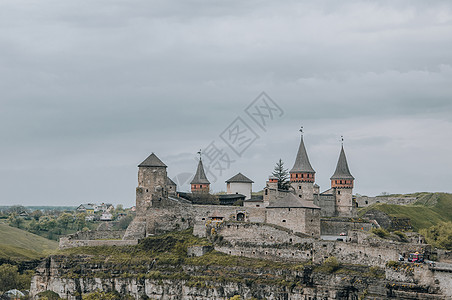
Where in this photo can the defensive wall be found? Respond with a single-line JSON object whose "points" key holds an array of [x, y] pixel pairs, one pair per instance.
{"points": [[271, 242], [95, 238], [364, 201], [336, 226]]}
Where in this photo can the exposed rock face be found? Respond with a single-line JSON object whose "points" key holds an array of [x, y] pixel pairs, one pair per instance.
{"points": [[71, 277]]}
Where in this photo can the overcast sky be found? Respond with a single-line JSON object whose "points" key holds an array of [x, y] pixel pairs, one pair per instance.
{"points": [[89, 88]]}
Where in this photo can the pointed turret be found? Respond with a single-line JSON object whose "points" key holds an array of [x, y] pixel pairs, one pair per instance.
{"points": [[342, 187], [200, 182], [302, 169], [342, 177], [302, 175]]}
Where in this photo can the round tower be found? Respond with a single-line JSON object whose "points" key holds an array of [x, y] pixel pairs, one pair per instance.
{"points": [[302, 175], [152, 179], [342, 183], [200, 184]]}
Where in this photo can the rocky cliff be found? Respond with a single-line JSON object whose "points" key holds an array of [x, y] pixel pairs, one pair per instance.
{"points": [[159, 268]]}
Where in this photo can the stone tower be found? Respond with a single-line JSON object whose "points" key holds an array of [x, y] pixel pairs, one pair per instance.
{"points": [[270, 190], [342, 185], [200, 184], [152, 178], [302, 175]]}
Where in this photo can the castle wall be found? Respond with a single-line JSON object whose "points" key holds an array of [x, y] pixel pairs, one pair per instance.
{"points": [[344, 202], [259, 234], [257, 240], [327, 203], [274, 242], [364, 201], [175, 215], [304, 189], [303, 220], [336, 227], [95, 238]]}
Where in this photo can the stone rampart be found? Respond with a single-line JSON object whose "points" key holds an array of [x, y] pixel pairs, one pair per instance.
{"points": [[65, 244], [338, 226], [94, 238], [270, 242], [259, 234], [364, 201]]}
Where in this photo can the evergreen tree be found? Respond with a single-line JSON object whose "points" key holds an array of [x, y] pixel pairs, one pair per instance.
{"points": [[282, 174]]}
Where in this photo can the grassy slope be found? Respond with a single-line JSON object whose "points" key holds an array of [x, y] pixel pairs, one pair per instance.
{"points": [[17, 244], [429, 210]]}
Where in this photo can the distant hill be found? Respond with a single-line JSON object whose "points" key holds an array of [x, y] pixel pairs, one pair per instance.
{"points": [[17, 244], [32, 208], [430, 209]]}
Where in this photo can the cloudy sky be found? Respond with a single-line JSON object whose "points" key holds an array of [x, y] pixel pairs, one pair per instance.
{"points": [[89, 88]]}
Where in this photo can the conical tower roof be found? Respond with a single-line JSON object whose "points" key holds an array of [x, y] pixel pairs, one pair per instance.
{"points": [[342, 171], [200, 176], [239, 178], [152, 161], [302, 163]]}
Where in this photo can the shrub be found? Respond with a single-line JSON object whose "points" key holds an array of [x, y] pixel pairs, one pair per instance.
{"points": [[439, 236], [403, 238], [48, 295], [392, 264], [330, 265], [380, 232]]}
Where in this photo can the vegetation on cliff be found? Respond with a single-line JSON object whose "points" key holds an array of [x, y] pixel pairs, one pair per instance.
{"points": [[165, 257], [439, 236], [11, 278]]}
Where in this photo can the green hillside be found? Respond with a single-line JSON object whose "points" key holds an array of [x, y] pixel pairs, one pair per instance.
{"points": [[430, 209], [17, 244]]}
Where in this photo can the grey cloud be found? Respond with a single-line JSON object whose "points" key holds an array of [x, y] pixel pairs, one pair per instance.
{"points": [[89, 88]]}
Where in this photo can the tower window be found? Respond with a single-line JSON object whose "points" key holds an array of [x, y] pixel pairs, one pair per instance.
{"points": [[299, 187], [338, 192]]}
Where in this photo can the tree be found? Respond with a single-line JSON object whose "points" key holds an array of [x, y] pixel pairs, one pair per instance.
{"points": [[36, 214], [439, 235], [17, 209], [125, 221], [80, 221], [119, 208], [14, 220], [281, 173], [64, 220], [10, 278]]}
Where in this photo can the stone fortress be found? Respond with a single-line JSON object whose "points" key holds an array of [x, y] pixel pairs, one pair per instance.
{"points": [[282, 225], [299, 209]]}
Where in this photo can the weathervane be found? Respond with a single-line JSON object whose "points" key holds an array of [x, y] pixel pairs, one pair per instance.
{"points": [[301, 130], [342, 140], [200, 153]]}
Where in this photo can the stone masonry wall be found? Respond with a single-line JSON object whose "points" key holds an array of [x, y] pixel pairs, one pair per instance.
{"points": [[65, 244], [336, 227], [364, 201], [94, 238]]}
